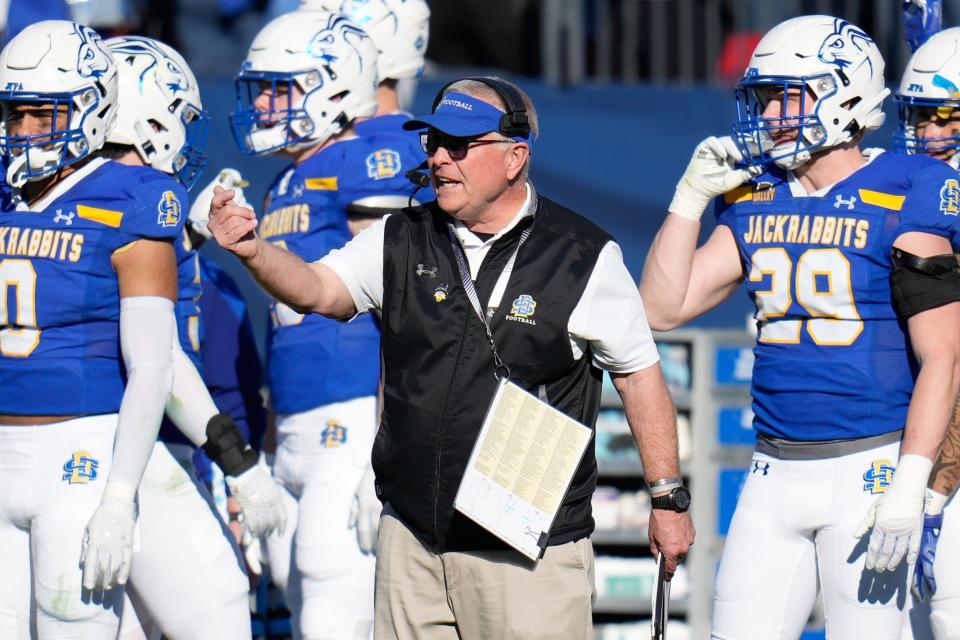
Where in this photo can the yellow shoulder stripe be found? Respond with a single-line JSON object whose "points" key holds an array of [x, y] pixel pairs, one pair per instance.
{"points": [[740, 194], [885, 200], [321, 184], [103, 216]]}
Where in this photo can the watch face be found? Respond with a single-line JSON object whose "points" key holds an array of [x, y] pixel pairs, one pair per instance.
{"points": [[681, 498]]}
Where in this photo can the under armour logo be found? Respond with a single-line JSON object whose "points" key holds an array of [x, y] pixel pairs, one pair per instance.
{"points": [[847, 203], [64, 217], [298, 191], [761, 468], [429, 271]]}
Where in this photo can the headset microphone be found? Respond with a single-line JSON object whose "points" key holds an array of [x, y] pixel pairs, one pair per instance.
{"points": [[417, 176]]}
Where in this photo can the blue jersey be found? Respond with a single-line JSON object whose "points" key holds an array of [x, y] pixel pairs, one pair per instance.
{"points": [[314, 361], [60, 310], [832, 360], [229, 352]]}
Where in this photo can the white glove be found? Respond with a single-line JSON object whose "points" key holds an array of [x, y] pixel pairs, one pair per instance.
{"points": [[200, 209], [711, 173], [108, 539], [253, 552], [365, 512], [897, 516], [259, 497]]}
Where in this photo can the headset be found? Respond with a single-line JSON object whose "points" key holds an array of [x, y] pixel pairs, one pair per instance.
{"points": [[514, 123]]}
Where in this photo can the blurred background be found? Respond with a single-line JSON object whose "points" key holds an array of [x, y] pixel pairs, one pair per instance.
{"points": [[625, 89]]}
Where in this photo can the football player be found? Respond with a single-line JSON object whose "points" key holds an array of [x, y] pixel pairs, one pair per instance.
{"points": [[307, 77], [810, 225], [401, 30], [186, 579], [928, 102], [86, 324]]}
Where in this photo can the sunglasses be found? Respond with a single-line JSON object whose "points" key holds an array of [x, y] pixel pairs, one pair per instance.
{"points": [[456, 146]]}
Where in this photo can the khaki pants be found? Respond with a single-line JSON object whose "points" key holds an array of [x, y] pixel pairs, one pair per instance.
{"points": [[421, 595]]}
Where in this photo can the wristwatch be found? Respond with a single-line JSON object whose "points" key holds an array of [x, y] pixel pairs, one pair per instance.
{"points": [[677, 500]]}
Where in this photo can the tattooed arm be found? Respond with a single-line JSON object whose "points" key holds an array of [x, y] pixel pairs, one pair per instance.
{"points": [[945, 476]]}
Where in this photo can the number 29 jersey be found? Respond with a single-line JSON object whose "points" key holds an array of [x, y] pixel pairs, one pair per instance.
{"points": [[831, 359], [60, 308]]}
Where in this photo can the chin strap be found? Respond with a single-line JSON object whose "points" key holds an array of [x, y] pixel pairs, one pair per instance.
{"points": [[39, 162]]}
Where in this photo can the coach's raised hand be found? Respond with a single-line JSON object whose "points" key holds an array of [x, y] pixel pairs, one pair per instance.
{"points": [[233, 226]]}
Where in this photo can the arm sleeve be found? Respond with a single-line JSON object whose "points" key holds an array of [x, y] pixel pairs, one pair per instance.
{"points": [[190, 406], [610, 318], [360, 265], [147, 329]]}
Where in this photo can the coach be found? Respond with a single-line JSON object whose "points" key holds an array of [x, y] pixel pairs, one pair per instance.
{"points": [[560, 305]]}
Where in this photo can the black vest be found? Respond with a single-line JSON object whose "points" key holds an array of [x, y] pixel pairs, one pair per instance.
{"points": [[439, 371]]}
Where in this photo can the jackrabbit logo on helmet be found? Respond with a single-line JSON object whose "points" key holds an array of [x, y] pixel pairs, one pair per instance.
{"points": [[846, 46], [169, 74], [92, 58], [327, 47]]}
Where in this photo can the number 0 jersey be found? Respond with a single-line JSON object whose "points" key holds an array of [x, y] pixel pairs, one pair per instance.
{"points": [[313, 361], [832, 360], [60, 307]]}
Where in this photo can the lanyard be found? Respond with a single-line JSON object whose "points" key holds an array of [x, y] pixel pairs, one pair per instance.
{"points": [[501, 371]]}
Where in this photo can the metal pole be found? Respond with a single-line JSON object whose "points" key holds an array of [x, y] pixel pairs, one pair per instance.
{"points": [[631, 40], [603, 47], [685, 29], [658, 40], [550, 30], [711, 38], [573, 11]]}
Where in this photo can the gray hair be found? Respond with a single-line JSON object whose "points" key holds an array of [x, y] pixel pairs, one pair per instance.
{"points": [[487, 94]]}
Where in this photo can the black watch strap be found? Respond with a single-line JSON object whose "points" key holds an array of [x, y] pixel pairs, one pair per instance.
{"points": [[677, 500]]}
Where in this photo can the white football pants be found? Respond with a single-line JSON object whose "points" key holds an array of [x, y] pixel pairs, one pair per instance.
{"points": [[187, 580], [792, 532], [52, 478], [939, 617], [327, 582]]}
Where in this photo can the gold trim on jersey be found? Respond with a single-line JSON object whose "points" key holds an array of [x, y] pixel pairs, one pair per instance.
{"points": [[879, 199], [103, 216], [740, 194], [125, 248], [321, 184]]}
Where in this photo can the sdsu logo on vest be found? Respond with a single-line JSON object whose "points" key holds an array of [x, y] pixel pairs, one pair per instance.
{"points": [[522, 310]]}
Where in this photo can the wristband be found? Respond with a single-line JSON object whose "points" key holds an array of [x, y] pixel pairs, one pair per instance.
{"points": [[664, 481], [226, 447], [934, 502]]}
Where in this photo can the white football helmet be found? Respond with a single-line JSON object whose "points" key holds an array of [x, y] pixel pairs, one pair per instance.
{"points": [[832, 62], [930, 87], [399, 28], [160, 113], [64, 66], [325, 64]]}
